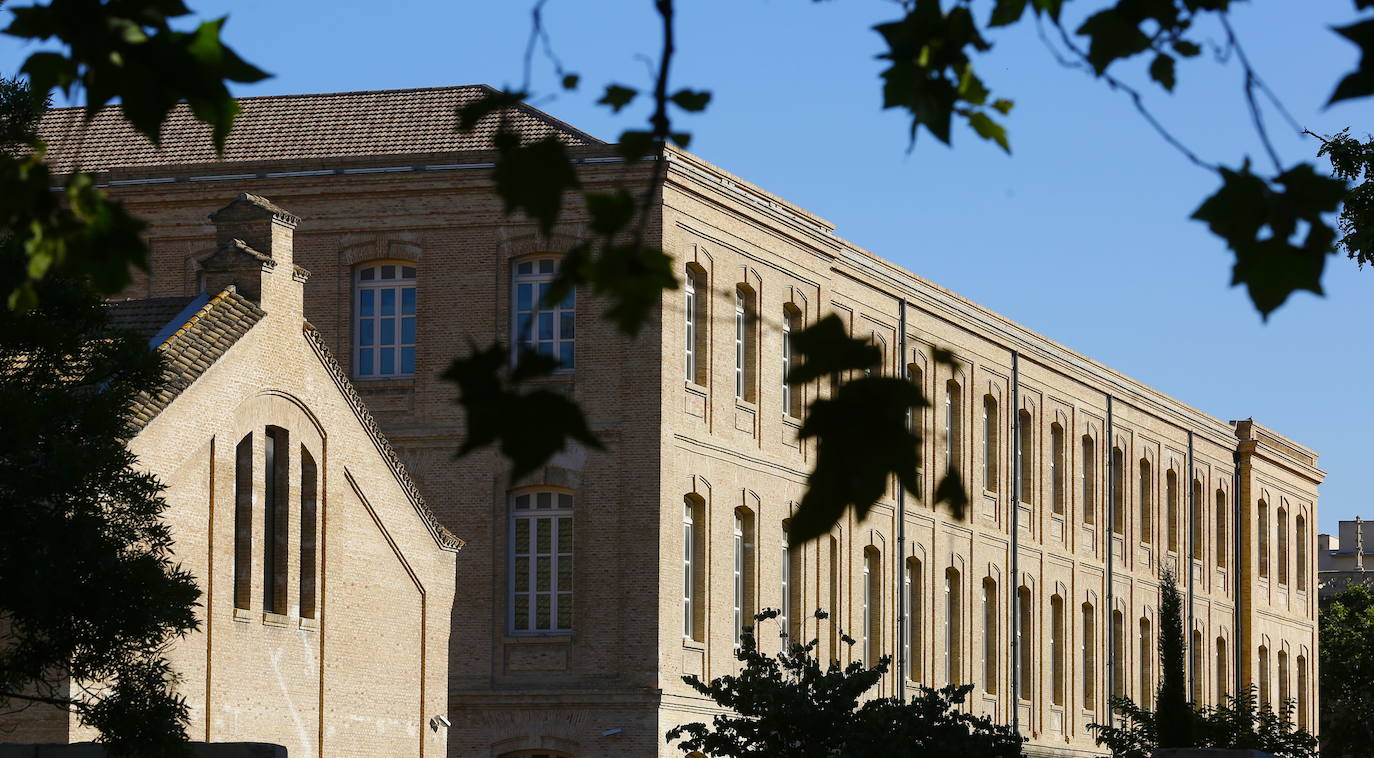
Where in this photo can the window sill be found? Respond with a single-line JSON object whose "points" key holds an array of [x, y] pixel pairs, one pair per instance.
{"points": [[690, 644], [275, 619], [243, 615], [694, 387], [383, 383], [745, 405], [539, 638], [309, 624]]}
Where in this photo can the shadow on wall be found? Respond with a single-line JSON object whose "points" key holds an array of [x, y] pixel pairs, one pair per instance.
{"points": [[96, 750]]}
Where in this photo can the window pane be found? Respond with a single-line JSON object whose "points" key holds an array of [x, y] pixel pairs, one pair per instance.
{"points": [[565, 573], [408, 301], [543, 571], [569, 300], [546, 266], [407, 272], [365, 298], [365, 362], [408, 331], [522, 574], [524, 297], [388, 360], [522, 501], [565, 501], [543, 500], [388, 302], [522, 535], [545, 325], [565, 354], [543, 293], [565, 608], [407, 360], [367, 274], [522, 617], [566, 325], [542, 603], [388, 272], [542, 540], [365, 329], [526, 267], [565, 535], [388, 331]]}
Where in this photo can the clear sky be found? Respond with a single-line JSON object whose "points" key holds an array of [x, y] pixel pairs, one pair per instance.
{"points": [[1082, 234]]}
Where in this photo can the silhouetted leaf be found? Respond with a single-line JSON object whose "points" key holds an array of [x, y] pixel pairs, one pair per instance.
{"points": [[691, 100], [1113, 34], [532, 178], [1187, 49], [989, 129], [825, 348], [493, 102], [617, 97], [951, 491], [636, 144], [570, 81], [1002, 106], [1162, 71], [530, 427], [1007, 12], [1360, 82]]}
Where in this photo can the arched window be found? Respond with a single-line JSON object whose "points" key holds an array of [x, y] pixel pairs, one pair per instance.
{"points": [[276, 525], [1263, 529], [1057, 467], [873, 606], [1118, 655], [792, 577], [693, 567], [1025, 638], [1171, 498], [1118, 474], [990, 429], [1300, 542], [746, 344], [1199, 670], [538, 325], [1088, 477], [1025, 454], [1197, 520], [915, 621], [953, 627], [918, 422], [1223, 668], [1146, 502], [791, 395], [1058, 665], [1220, 529], [953, 425], [1283, 679], [990, 636], [1089, 654], [1264, 676], [1302, 692], [384, 325], [743, 574], [1146, 665], [695, 329], [1281, 527], [835, 577], [309, 528], [243, 523], [541, 562]]}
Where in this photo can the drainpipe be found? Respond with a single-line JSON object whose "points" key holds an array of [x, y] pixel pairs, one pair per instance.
{"points": [[1192, 531], [1112, 662], [901, 522], [1013, 585], [1235, 572]]}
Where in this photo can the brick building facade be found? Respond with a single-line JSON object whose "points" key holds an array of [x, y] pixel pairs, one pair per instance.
{"points": [[677, 528]]}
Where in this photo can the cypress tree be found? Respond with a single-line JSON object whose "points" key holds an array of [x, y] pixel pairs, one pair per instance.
{"points": [[1174, 715]]}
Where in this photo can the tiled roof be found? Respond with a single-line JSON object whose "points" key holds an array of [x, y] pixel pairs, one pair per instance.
{"points": [[292, 127], [445, 538], [191, 346], [146, 317]]}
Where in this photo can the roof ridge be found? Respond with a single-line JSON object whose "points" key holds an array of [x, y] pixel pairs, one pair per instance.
{"points": [[288, 96]]}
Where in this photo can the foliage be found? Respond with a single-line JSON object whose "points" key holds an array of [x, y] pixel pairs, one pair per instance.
{"points": [[1353, 161], [91, 597], [1175, 716], [19, 112], [1241, 724], [1346, 631], [787, 705]]}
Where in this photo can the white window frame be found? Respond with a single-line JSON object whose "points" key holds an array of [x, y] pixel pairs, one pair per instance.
{"points": [[738, 579], [369, 331], [785, 614], [741, 324], [533, 275], [556, 517], [786, 361], [867, 646], [689, 289]]}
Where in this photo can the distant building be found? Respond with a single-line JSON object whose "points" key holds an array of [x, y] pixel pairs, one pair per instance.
{"points": [[1346, 557]]}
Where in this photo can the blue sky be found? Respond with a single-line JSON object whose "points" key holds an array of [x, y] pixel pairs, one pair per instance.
{"points": [[1082, 234]]}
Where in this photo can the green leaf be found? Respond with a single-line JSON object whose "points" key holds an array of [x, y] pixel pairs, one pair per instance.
{"points": [[1002, 106], [617, 97], [1112, 36], [1187, 49], [989, 129], [1162, 71], [472, 113], [636, 144], [825, 348], [1007, 12], [1360, 82], [1051, 7], [532, 178], [691, 100]]}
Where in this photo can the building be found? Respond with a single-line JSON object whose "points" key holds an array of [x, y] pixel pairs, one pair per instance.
{"points": [[327, 582], [607, 576], [1346, 557]]}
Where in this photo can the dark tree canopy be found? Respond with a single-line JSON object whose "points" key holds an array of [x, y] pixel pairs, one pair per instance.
{"points": [[1346, 629]]}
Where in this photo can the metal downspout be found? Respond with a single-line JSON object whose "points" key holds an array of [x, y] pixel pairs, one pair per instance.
{"points": [[902, 632], [1112, 662], [1192, 548], [1015, 526]]}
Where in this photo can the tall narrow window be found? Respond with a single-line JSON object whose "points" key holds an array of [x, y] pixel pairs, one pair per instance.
{"points": [[1147, 504], [1118, 475], [1089, 650], [990, 428], [1025, 455], [743, 577], [1025, 638], [917, 418], [1223, 672], [1264, 676], [1281, 528], [1219, 529], [953, 428], [694, 305], [746, 326], [539, 326], [693, 568], [793, 589], [1302, 692], [1118, 655], [1197, 530], [1283, 679], [243, 523], [309, 521], [1171, 505], [1262, 527], [915, 621], [873, 606], [990, 636], [1300, 542], [384, 329], [1199, 672], [834, 599], [791, 395], [276, 515], [1057, 642], [1057, 467], [1088, 478], [1147, 657], [954, 628], [541, 562]]}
